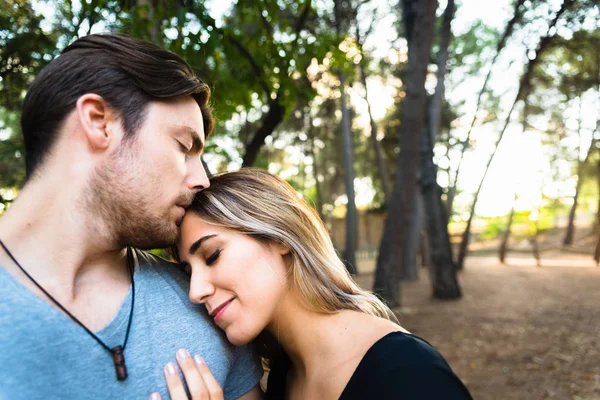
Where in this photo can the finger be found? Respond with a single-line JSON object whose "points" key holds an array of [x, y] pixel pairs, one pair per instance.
{"points": [[214, 389], [174, 384], [155, 396], [194, 381]]}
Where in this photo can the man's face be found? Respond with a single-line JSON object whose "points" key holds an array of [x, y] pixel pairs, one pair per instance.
{"points": [[142, 189]]}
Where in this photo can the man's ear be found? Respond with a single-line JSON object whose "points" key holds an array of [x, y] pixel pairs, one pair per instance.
{"points": [[96, 118]]}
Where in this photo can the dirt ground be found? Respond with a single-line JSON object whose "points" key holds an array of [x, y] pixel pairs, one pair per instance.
{"points": [[520, 332]]}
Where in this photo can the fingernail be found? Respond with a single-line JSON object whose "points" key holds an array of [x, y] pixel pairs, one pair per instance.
{"points": [[154, 396], [182, 354], [170, 368], [199, 360]]}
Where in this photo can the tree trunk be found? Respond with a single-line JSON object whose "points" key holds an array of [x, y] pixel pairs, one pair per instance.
{"points": [[466, 236], [465, 144], [419, 18], [506, 235], [379, 158], [535, 248], [596, 146], [347, 149], [524, 87], [316, 168], [413, 236], [435, 106], [570, 233], [443, 273], [444, 281], [442, 269], [269, 123], [424, 247], [597, 251], [597, 227]]}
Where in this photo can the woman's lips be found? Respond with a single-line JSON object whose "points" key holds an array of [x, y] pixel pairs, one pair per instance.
{"points": [[218, 312]]}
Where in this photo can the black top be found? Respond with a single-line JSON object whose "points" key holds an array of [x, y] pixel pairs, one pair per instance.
{"points": [[397, 366]]}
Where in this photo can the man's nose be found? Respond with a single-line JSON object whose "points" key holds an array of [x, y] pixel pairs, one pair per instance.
{"points": [[197, 176]]}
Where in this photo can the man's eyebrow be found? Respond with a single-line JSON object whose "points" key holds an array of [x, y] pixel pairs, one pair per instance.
{"points": [[196, 245]]}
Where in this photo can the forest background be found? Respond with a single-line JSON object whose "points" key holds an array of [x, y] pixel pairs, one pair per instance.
{"points": [[422, 132]]}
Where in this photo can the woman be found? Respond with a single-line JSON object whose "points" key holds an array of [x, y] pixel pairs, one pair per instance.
{"points": [[263, 264]]}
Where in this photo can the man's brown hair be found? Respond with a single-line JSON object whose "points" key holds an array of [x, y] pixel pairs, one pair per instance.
{"points": [[126, 72]]}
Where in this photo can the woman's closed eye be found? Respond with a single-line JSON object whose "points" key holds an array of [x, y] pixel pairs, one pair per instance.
{"points": [[213, 257]]}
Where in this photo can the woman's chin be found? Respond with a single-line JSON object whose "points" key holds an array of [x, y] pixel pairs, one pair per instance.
{"points": [[239, 340]]}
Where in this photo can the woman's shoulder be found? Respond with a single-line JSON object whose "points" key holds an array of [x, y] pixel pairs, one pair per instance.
{"points": [[386, 343], [402, 365], [403, 349]]}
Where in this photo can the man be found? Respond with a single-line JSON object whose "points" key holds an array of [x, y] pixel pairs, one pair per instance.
{"points": [[113, 129]]}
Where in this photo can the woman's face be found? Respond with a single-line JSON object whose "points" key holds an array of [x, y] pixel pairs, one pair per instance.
{"points": [[240, 281]]}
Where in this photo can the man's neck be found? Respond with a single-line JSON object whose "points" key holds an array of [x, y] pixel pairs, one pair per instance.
{"points": [[58, 244]]}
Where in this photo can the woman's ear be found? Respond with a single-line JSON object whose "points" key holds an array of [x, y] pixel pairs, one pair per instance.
{"points": [[280, 248]]}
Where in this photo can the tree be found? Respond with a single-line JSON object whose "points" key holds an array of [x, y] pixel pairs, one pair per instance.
{"points": [[506, 234], [580, 73], [24, 50], [597, 250], [508, 30], [343, 9], [347, 150], [581, 164], [379, 157], [419, 18], [507, 231], [522, 92], [443, 272]]}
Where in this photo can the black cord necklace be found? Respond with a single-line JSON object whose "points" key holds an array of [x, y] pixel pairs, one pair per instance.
{"points": [[117, 351]]}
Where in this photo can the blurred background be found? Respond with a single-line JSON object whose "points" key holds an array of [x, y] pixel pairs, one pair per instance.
{"points": [[452, 149]]}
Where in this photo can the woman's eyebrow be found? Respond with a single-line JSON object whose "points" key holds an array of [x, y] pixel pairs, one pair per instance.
{"points": [[196, 245]]}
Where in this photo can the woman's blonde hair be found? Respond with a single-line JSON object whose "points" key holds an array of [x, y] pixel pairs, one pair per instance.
{"points": [[264, 206]]}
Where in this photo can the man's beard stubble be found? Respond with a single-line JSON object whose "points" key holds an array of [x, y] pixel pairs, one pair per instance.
{"points": [[120, 202]]}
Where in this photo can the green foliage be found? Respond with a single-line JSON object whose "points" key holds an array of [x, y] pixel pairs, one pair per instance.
{"points": [[258, 54], [494, 228], [24, 50], [471, 50], [12, 168], [571, 63], [524, 224]]}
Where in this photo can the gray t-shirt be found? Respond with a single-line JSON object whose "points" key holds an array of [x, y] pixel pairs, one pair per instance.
{"points": [[44, 355]]}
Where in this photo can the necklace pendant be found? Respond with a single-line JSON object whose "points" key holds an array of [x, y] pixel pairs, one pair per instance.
{"points": [[119, 360]]}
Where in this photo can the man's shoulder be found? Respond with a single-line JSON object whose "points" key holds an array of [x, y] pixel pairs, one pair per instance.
{"points": [[160, 273], [149, 263]]}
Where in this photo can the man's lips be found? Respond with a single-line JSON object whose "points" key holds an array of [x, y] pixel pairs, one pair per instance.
{"points": [[216, 313]]}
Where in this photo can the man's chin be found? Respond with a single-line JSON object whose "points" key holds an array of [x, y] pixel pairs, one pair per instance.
{"points": [[154, 239]]}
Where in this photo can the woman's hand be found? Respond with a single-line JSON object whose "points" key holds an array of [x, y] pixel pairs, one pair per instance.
{"points": [[200, 381]]}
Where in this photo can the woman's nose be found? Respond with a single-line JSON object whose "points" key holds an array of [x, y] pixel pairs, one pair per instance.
{"points": [[200, 287]]}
